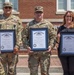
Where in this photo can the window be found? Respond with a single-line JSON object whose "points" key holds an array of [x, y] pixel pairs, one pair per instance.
{"points": [[64, 5], [14, 2], [72, 4], [1, 4]]}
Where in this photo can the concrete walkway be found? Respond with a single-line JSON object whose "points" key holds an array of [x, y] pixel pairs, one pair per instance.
{"points": [[55, 66]]}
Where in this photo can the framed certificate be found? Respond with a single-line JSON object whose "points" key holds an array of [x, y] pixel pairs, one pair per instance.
{"points": [[7, 40], [67, 43], [39, 39]]}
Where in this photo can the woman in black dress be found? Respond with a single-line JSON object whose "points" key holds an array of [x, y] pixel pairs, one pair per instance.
{"points": [[66, 61]]}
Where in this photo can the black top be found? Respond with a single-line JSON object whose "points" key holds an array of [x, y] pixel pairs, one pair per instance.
{"points": [[63, 29]]}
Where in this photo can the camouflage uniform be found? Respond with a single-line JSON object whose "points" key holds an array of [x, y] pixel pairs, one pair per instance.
{"points": [[9, 60], [1, 69], [41, 57]]}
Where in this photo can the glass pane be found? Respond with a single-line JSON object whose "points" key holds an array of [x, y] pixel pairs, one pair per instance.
{"points": [[72, 4], [1, 3], [15, 4], [62, 4]]}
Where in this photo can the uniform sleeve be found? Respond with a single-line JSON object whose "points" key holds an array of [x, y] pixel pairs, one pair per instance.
{"points": [[52, 34], [18, 33], [25, 36]]}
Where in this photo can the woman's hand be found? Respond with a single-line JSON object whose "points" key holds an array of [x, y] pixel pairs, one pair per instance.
{"points": [[58, 37]]}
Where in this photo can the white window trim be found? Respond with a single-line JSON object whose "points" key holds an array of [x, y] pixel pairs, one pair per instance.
{"points": [[63, 11]]}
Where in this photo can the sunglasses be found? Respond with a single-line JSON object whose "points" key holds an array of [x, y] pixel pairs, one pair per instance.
{"points": [[8, 7], [38, 12]]}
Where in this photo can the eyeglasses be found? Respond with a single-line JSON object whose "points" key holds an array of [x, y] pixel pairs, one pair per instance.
{"points": [[68, 16], [8, 7]]}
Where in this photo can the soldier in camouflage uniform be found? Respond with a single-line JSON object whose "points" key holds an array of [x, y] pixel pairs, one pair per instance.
{"points": [[9, 21], [41, 58]]}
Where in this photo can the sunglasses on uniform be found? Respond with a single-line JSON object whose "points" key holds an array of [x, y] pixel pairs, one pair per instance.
{"points": [[8, 7]]}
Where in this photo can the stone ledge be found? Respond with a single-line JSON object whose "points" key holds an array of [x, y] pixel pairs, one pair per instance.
{"points": [[51, 70], [27, 55]]}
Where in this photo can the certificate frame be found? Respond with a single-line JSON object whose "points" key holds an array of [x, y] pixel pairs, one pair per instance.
{"points": [[7, 40], [38, 32], [66, 44]]}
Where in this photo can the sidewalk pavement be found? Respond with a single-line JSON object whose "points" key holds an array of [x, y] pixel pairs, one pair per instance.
{"points": [[55, 66], [23, 61]]}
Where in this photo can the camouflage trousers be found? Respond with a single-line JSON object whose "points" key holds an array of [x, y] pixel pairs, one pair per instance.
{"points": [[9, 61], [1, 69], [36, 59]]}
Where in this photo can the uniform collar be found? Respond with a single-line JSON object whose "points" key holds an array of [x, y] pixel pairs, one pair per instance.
{"points": [[5, 17]]}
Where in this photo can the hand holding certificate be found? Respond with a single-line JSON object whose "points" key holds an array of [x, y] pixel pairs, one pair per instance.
{"points": [[15, 50], [7, 40], [67, 43]]}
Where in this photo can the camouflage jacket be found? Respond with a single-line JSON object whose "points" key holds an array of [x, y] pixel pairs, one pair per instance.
{"points": [[14, 23], [42, 24]]}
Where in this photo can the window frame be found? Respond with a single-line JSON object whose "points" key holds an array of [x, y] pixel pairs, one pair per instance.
{"points": [[63, 10], [17, 5], [13, 10]]}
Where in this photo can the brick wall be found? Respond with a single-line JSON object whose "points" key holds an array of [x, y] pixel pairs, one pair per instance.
{"points": [[26, 8]]}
